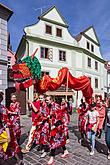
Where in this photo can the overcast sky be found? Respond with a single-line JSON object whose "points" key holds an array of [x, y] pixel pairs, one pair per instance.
{"points": [[79, 14]]}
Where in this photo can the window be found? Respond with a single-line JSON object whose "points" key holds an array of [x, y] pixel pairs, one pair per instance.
{"points": [[58, 32], [96, 83], [9, 62], [48, 29], [96, 65], [88, 45], [44, 53], [92, 48], [62, 55], [89, 62], [44, 72]]}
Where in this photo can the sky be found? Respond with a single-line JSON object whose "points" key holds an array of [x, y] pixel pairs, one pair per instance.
{"points": [[79, 14]]}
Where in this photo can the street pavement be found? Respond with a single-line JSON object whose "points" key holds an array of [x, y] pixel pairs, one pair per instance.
{"points": [[79, 154]]}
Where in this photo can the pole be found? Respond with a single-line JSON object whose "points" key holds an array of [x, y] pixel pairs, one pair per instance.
{"points": [[67, 84], [77, 99]]}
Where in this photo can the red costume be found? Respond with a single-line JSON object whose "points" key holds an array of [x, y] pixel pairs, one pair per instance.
{"points": [[66, 117], [57, 133], [15, 118], [81, 119], [13, 147], [101, 110]]}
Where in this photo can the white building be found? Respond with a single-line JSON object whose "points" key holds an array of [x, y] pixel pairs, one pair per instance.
{"points": [[57, 48]]}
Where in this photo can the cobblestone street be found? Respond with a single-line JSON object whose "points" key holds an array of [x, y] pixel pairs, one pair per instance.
{"points": [[79, 155]]}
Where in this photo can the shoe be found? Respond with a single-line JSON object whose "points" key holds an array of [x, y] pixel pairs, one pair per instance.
{"points": [[43, 155], [108, 157], [51, 161], [67, 141], [91, 153], [66, 153], [24, 150]]}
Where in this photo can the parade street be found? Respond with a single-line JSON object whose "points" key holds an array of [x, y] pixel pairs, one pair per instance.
{"points": [[79, 155]]}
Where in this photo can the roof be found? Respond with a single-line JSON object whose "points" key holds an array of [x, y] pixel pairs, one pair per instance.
{"points": [[46, 12], [79, 36], [7, 9]]}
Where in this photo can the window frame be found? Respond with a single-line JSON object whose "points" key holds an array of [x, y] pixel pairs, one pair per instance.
{"points": [[44, 57], [57, 28], [96, 66], [63, 54], [46, 32], [92, 48], [96, 83], [88, 62], [88, 45]]}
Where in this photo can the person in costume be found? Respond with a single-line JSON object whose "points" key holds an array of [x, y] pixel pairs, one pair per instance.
{"points": [[4, 130], [14, 114], [92, 121], [35, 108], [107, 128], [82, 110], [44, 127], [57, 133], [70, 103], [66, 118], [101, 110], [13, 148]]}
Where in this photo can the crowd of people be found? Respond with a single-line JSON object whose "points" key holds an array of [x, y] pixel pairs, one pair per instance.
{"points": [[50, 121], [92, 120]]}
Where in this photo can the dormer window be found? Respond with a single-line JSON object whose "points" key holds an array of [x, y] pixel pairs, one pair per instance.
{"points": [[92, 48], [58, 32], [88, 45], [48, 29]]}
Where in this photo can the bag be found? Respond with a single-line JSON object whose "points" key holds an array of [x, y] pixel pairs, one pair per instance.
{"points": [[4, 140]]}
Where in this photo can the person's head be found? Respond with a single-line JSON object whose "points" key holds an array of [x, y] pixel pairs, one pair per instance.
{"points": [[92, 107], [70, 99], [1, 96], [13, 97], [98, 98], [36, 96], [41, 98], [48, 100], [63, 100]]}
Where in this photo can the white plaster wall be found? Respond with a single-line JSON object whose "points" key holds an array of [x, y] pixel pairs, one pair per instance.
{"points": [[91, 34], [38, 30], [83, 44], [53, 15], [79, 60], [55, 63], [78, 73]]}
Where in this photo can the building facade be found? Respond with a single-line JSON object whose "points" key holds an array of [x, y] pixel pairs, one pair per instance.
{"points": [[57, 48], [5, 14]]}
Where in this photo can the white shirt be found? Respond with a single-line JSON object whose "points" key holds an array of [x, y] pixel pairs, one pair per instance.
{"points": [[92, 115]]}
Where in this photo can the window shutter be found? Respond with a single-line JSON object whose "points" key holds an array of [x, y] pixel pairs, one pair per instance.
{"points": [[51, 54]]}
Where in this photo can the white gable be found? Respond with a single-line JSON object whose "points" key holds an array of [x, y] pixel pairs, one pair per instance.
{"points": [[54, 16], [91, 34]]}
